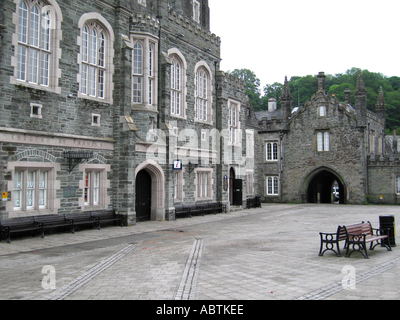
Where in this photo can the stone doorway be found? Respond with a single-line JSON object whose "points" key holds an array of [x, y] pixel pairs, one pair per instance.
{"points": [[325, 186]]}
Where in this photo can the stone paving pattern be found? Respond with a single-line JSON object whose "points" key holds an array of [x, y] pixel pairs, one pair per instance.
{"points": [[268, 253]]}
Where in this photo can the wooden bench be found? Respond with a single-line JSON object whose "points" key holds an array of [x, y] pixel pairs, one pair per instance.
{"points": [[7, 227], [53, 221], [107, 216], [83, 218], [253, 202], [330, 240], [199, 209], [358, 235]]}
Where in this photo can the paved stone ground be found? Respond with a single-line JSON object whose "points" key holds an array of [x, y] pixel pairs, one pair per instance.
{"points": [[269, 253]]}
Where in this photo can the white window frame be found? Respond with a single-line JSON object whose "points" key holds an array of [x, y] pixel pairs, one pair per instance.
{"points": [[323, 141], [234, 123], [144, 71], [177, 109], [397, 185], [36, 60], [203, 183], [272, 186], [322, 111], [96, 67], [271, 151], [203, 93], [24, 189], [94, 185]]}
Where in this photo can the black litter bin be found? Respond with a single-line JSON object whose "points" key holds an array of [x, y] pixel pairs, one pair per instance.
{"points": [[389, 222]]}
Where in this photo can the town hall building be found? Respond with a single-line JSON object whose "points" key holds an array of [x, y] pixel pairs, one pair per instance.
{"points": [[121, 105]]}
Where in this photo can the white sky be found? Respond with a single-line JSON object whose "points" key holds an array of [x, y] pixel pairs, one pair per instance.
{"points": [[297, 38]]}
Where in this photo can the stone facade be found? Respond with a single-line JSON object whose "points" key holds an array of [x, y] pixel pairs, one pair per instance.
{"points": [[100, 100], [93, 93], [327, 143]]}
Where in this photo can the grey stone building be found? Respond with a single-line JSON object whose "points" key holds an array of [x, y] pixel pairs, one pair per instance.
{"points": [[306, 153], [122, 105], [102, 101]]}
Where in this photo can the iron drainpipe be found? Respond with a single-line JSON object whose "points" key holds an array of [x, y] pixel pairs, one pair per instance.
{"points": [[216, 125]]}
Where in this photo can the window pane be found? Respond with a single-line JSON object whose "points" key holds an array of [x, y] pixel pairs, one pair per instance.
{"points": [[44, 69], [23, 22], [275, 150], [93, 47], [21, 66], [30, 190], [92, 81], [43, 190], [101, 49], [137, 58], [320, 141], [87, 189], [84, 79], [34, 28], [33, 65], [17, 189], [269, 185], [84, 44], [46, 30], [137, 90], [398, 185], [275, 185], [96, 187], [326, 141], [101, 84]]}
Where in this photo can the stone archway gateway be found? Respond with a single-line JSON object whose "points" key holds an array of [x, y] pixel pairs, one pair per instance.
{"points": [[150, 171], [318, 187]]}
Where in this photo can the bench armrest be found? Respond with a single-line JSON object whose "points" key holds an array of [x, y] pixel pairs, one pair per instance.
{"points": [[381, 231]]}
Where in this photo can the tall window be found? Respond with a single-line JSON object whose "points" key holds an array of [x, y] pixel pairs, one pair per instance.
{"points": [[30, 190], [196, 11], [202, 94], [233, 123], [34, 43], [176, 86], [137, 72], [323, 141], [272, 186], [271, 151], [203, 184], [96, 55], [92, 188], [398, 185], [93, 60]]}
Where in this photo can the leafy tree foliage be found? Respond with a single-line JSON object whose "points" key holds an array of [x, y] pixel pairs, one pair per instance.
{"points": [[302, 88]]}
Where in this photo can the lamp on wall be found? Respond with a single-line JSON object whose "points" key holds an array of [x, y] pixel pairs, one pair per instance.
{"points": [[76, 157]]}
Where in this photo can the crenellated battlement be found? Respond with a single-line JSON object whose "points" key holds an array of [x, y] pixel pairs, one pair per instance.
{"points": [[144, 23], [193, 27], [230, 80], [379, 160]]}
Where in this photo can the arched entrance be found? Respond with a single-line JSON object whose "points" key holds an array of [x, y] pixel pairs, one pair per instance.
{"points": [[325, 186], [150, 192], [143, 196]]}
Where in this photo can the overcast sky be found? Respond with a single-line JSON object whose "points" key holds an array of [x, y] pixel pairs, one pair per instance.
{"points": [[297, 38]]}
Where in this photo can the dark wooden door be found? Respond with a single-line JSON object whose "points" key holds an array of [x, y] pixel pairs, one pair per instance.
{"points": [[143, 196], [237, 192]]}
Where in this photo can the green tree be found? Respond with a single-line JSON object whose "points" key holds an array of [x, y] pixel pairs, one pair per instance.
{"points": [[252, 86]]}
